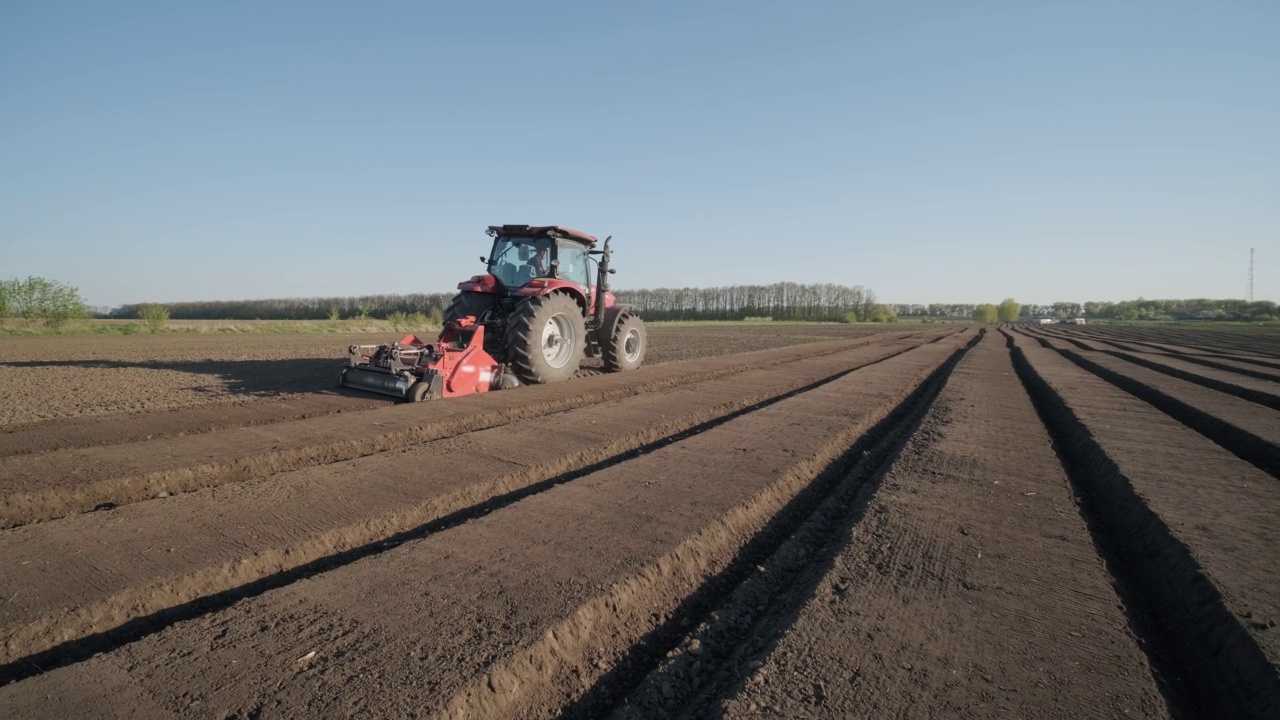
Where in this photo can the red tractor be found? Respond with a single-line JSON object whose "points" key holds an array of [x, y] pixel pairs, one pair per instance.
{"points": [[531, 318]]}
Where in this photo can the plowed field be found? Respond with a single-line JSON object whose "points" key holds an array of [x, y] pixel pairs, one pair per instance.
{"points": [[805, 521]]}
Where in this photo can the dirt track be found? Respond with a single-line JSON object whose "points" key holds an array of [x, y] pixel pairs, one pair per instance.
{"points": [[930, 522]]}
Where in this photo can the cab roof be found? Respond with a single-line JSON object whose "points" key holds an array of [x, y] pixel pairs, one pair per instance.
{"points": [[553, 231]]}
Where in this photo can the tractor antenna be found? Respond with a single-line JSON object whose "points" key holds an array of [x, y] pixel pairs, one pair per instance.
{"points": [[1248, 293]]}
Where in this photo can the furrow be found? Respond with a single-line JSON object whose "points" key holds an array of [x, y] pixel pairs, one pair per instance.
{"points": [[965, 585], [678, 672], [1208, 663], [67, 433], [404, 630], [128, 591], [1262, 393], [646, 617], [1237, 369], [1224, 426], [1266, 399], [1228, 343], [71, 481], [1200, 352]]}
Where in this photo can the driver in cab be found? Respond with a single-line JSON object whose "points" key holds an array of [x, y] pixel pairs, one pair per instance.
{"points": [[541, 263]]}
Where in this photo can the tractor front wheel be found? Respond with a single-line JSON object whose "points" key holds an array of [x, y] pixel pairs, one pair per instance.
{"points": [[625, 350], [546, 338]]}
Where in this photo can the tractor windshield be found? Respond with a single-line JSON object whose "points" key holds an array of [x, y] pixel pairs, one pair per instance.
{"points": [[517, 260]]}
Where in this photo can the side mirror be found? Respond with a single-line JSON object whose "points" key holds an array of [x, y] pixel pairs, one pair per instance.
{"points": [[483, 260]]}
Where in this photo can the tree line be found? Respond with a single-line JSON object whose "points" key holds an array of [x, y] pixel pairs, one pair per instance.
{"points": [[51, 302], [780, 301], [312, 308], [1124, 310], [1193, 309]]}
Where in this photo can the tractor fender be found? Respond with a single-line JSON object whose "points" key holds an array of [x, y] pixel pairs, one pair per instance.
{"points": [[480, 284], [612, 316], [545, 286]]}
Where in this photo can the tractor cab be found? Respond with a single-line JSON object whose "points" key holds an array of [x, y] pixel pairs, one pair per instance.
{"points": [[522, 254]]}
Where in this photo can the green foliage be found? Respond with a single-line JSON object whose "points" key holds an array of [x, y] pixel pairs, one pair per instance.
{"points": [[783, 302], [155, 317], [41, 299], [332, 309], [883, 314], [1190, 309], [405, 322], [1008, 310], [1127, 310], [986, 313]]}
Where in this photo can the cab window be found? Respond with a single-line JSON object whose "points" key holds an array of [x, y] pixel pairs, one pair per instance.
{"points": [[573, 264]]}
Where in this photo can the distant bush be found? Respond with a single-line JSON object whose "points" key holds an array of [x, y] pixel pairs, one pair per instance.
{"points": [[155, 317], [883, 314], [1008, 310], [41, 299], [404, 322], [986, 313]]}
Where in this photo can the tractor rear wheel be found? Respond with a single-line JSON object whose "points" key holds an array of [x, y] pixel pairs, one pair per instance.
{"points": [[546, 339], [625, 350], [468, 303]]}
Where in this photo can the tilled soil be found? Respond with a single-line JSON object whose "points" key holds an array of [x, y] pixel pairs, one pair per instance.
{"points": [[971, 580], [58, 377], [930, 522]]}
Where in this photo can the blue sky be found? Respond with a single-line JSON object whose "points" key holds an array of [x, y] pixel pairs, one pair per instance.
{"points": [[933, 152]]}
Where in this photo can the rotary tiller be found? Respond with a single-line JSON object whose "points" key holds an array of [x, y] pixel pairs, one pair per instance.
{"points": [[456, 364]]}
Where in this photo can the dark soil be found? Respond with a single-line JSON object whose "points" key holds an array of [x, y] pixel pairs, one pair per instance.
{"points": [[766, 521]]}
